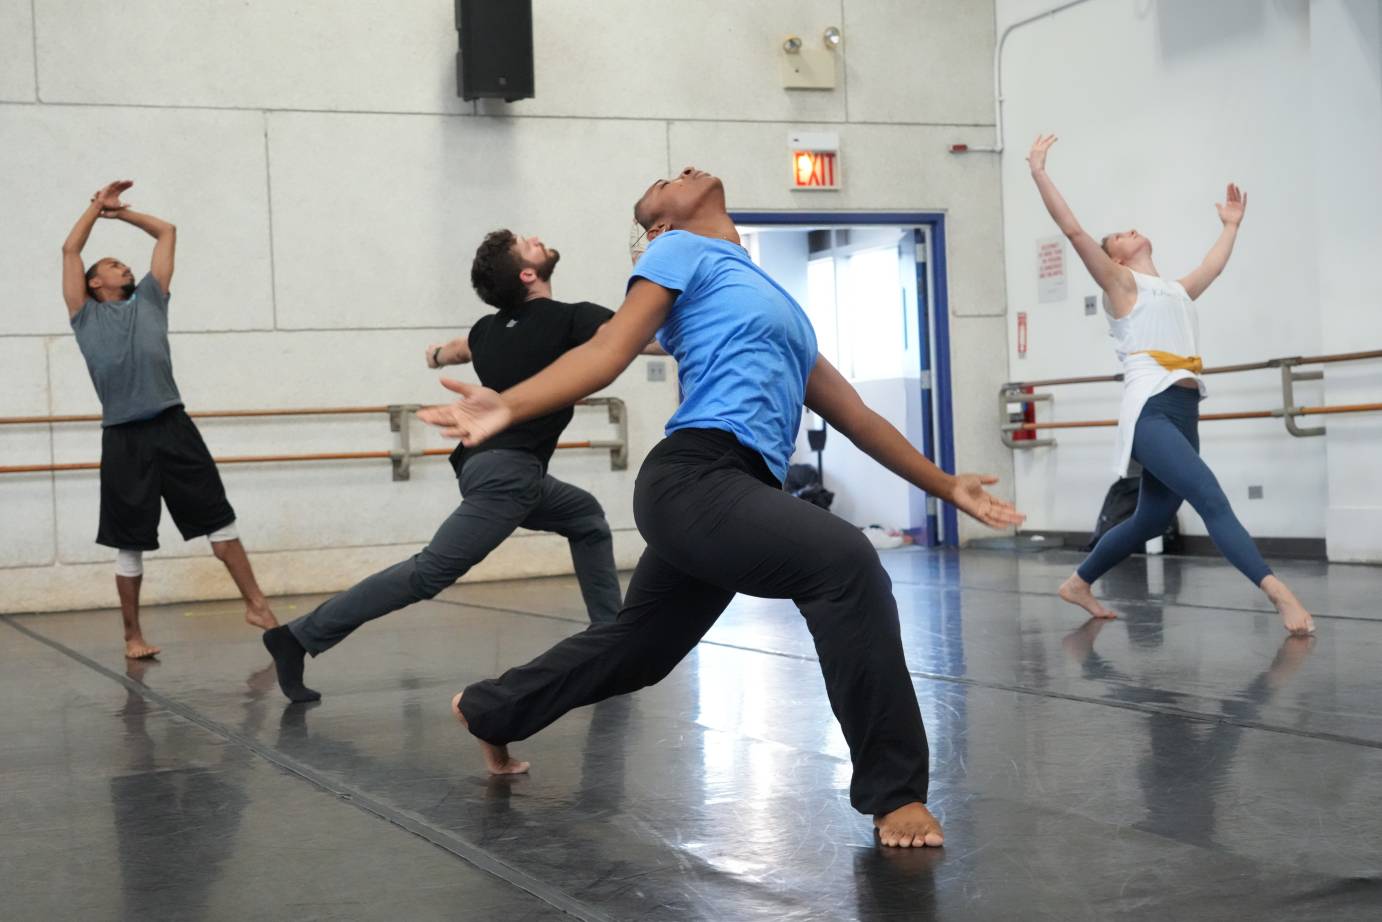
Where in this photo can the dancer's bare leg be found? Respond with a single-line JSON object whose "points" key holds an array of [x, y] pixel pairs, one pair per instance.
{"points": [[135, 645], [909, 826], [1077, 592], [497, 758], [1293, 614], [257, 610]]}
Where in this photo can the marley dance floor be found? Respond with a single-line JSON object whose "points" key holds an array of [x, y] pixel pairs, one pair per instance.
{"points": [[1183, 762]]}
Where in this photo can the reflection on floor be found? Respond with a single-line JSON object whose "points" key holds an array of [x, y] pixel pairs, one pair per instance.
{"points": [[1185, 761]]}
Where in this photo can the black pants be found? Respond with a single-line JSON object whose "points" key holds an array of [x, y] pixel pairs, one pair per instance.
{"points": [[500, 491], [717, 523], [163, 458]]}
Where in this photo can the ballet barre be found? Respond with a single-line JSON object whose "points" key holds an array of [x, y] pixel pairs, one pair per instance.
{"points": [[1019, 393], [401, 456]]}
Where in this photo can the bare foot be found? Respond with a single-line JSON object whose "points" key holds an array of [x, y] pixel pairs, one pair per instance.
{"points": [[909, 826], [261, 616], [136, 648], [1077, 592], [497, 758], [1293, 614]]}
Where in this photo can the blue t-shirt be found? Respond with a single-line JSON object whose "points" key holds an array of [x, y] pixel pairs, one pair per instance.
{"points": [[744, 347]]}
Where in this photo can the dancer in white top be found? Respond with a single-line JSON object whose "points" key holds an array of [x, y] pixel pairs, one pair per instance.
{"points": [[1154, 324]]}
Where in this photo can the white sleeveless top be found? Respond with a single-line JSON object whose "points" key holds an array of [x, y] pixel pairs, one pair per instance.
{"points": [[1163, 320]]}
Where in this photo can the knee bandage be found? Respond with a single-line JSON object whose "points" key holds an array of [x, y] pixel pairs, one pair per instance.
{"points": [[129, 563], [228, 533]]}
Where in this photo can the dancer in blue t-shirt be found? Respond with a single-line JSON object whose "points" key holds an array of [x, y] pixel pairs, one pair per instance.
{"points": [[709, 502]]}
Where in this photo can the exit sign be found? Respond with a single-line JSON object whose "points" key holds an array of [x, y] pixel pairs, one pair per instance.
{"points": [[815, 169], [814, 160]]}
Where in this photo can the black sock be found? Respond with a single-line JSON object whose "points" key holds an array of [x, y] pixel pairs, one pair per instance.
{"points": [[288, 657]]}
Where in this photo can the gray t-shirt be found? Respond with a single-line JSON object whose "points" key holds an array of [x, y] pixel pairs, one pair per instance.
{"points": [[125, 344]]}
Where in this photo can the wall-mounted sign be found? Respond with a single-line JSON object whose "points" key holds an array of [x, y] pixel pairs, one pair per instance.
{"points": [[814, 160], [1050, 269], [815, 169], [1022, 334]]}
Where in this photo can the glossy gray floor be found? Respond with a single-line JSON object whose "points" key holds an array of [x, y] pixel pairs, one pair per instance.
{"points": [[1183, 762]]}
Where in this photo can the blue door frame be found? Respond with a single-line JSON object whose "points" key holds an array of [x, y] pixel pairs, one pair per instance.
{"points": [[939, 320]]}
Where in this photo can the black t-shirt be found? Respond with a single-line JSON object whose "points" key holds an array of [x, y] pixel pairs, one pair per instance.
{"points": [[516, 343]]}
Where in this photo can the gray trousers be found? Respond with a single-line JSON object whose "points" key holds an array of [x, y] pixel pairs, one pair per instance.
{"points": [[500, 491]]}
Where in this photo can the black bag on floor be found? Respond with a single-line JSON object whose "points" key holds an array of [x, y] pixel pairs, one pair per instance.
{"points": [[804, 482], [1119, 503]]}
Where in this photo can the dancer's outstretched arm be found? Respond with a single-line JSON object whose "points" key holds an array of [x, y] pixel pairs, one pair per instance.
{"points": [[1231, 213], [481, 412], [835, 399], [165, 243], [1114, 279], [104, 203], [456, 352]]}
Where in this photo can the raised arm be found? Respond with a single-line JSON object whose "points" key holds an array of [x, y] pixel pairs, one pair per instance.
{"points": [[456, 352], [1231, 213], [105, 203], [481, 412], [1111, 277], [835, 399], [165, 243]]}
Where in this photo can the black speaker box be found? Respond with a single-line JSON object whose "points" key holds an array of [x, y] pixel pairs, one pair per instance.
{"points": [[495, 60]]}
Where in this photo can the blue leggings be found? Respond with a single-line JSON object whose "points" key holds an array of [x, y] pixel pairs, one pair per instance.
{"points": [[1166, 442]]}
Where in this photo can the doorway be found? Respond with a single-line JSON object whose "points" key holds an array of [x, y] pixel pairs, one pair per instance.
{"points": [[874, 287]]}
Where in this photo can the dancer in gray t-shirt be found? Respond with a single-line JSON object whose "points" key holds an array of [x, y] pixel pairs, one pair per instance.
{"points": [[151, 452]]}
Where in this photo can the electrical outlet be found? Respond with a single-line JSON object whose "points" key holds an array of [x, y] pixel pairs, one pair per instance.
{"points": [[657, 371], [1091, 306], [1255, 492]]}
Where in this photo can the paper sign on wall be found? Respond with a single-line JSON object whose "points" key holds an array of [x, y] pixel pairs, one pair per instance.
{"points": [[1051, 269]]}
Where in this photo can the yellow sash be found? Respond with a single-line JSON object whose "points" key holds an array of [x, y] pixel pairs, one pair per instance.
{"points": [[1172, 362]]}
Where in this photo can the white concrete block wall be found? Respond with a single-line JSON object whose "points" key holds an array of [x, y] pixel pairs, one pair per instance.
{"points": [[1346, 56], [16, 51], [360, 243], [329, 191], [202, 169], [1158, 105]]}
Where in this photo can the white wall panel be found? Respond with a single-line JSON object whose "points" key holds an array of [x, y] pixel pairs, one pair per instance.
{"points": [[26, 500], [928, 61], [382, 232], [297, 54], [202, 170], [16, 51], [1346, 54], [614, 59]]}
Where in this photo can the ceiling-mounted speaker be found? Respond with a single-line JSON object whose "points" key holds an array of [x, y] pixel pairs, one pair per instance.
{"points": [[495, 60]]}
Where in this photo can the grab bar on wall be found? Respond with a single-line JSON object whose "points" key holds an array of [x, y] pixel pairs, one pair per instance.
{"points": [[401, 456], [1017, 392]]}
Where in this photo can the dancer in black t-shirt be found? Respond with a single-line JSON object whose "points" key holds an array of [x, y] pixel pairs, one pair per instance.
{"points": [[504, 483]]}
